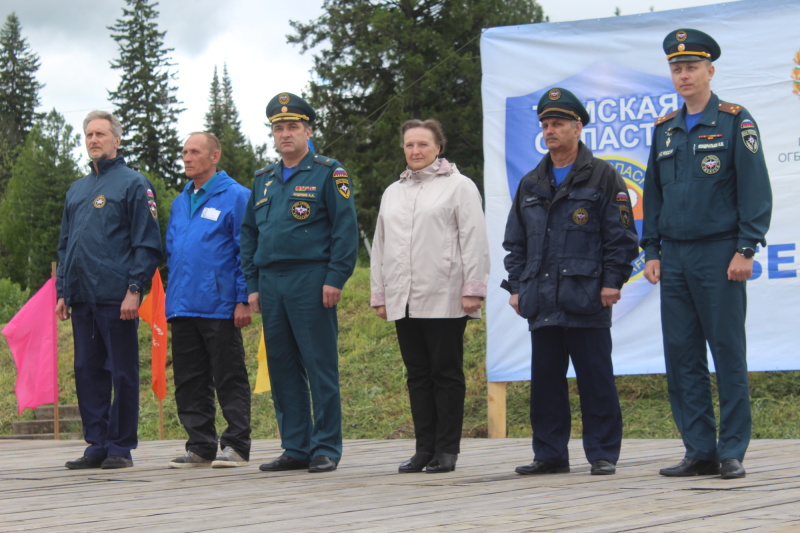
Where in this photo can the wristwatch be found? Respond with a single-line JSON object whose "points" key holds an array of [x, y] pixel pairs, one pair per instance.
{"points": [[747, 253], [134, 288]]}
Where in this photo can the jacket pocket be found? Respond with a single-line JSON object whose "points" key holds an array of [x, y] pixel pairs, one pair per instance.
{"points": [[665, 162], [579, 285], [529, 291], [711, 160], [261, 213]]}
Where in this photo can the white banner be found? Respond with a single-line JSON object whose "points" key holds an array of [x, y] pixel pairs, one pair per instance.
{"points": [[617, 68]]}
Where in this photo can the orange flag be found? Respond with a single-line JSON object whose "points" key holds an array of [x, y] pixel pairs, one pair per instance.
{"points": [[33, 341], [153, 312]]}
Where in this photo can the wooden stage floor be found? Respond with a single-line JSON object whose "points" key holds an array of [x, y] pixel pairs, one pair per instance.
{"points": [[366, 494]]}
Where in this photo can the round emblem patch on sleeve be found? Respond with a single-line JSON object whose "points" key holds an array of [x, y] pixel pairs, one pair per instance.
{"points": [[625, 215], [710, 164], [100, 201], [301, 210], [580, 216]]}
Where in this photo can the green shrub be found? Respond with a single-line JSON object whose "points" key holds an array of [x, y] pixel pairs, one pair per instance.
{"points": [[12, 298]]}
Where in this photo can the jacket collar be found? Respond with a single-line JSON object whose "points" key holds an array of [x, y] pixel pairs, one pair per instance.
{"points": [[105, 165], [221, 181], [439, 168]]}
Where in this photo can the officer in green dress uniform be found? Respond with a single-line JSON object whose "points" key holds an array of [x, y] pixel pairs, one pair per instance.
{"points": [[707, 206], [299, 243]]}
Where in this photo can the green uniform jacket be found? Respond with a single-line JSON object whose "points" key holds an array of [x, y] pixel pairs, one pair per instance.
{"points": [[309, 219], [709, 184]]}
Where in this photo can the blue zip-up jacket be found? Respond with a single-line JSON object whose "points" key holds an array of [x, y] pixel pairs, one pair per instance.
{"points": [[110, 237], [566, 243], [205, 273]]}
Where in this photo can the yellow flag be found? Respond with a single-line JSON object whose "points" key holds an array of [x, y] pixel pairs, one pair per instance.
{"points": [[262, 374]]}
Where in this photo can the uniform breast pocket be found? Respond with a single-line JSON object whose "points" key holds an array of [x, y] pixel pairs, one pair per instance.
{"points": [[710, 160], [261, 213], [581, 223], [665, 163], [534, 214], [303, 208]]}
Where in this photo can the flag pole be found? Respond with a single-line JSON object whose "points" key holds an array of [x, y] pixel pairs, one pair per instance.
{"points": [[161, 419], [56, 417]]}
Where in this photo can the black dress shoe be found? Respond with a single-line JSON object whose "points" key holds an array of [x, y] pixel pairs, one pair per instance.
{"points": [[690, 466], [284, 462], [112, 462], [321, 463], [442, 462], [87, 461], [731, 469], [417, 463], [601, 467], [541, 467]]}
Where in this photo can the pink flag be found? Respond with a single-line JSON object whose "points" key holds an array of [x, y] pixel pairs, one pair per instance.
{"points": [[33, 341]]}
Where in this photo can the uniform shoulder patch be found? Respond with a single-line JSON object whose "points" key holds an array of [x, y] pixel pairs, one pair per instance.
{"points": [[325, 161], [264, 170], [733, 109], [665, 118]]}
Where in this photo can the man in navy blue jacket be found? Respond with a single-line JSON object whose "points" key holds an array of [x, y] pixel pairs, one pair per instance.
{"points": [[108, 250], [207, 306], [570, 239]]}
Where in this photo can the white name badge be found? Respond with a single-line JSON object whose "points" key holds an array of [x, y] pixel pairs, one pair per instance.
{"points": [[210, 213]]}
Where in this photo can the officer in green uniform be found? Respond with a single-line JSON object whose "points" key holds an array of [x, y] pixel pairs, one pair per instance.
{"points": [[707, 205], [299, 243]]}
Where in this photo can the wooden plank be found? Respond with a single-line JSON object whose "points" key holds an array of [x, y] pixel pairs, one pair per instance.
{"points": [[366, 494], [497, 410]]}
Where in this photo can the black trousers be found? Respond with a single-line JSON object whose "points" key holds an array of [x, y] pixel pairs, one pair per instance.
{"points": [[433, 352], [208, 355], [590, 350]]}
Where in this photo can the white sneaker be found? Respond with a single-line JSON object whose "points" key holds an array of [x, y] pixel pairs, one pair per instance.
{"points": [[228, 459], [190, 460]]}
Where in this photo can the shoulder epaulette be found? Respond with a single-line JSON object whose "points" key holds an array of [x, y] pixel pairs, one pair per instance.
{"points": [[665, 118], [322, 160], [264, 170], [733, 109]]}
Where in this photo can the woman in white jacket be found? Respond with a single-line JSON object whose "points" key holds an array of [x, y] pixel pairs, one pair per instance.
{"points": [[429, 268]]}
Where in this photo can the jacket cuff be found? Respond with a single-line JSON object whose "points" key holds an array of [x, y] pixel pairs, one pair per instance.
{"points": [[474, 288], [377, 299], [252, 286]]}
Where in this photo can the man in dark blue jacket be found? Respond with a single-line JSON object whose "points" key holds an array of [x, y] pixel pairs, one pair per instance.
{"points": [[207, 305], [109, 248], [571, 239]]}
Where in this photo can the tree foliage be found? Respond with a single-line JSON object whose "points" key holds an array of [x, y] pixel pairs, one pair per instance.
{"points": [[381, 62], [34, 200], [19, 93], [239, 158], [145, 99]]}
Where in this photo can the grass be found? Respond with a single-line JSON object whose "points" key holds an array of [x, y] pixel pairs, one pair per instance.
{"points": [[374, 397]]}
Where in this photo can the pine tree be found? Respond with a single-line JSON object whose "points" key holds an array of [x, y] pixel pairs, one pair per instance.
{"points": [[239, 159], [145, 99], [385, 61], [19, 93], [34, 200]]}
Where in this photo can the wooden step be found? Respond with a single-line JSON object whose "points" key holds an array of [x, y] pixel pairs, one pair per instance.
{"points": [[36, 427], [45, 412], [43, 436]]}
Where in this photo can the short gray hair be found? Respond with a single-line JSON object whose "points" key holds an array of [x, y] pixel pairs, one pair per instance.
{"points": [[116, 127]]}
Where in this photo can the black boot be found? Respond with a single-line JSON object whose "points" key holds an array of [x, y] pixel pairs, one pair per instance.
{"points": [[442, 462]]}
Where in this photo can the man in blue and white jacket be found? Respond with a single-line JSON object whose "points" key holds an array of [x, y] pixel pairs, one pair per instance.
{"points": [[207, 307]]}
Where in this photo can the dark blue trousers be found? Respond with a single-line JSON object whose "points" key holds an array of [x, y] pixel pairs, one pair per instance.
{"points": [[301, 337], [590, 350], [106, 359], [699, 305]]}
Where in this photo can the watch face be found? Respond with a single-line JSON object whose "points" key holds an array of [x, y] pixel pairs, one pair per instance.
{"points": [[747, 252]]}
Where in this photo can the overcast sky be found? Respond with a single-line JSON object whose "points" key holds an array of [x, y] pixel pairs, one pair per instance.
{"points": [[75, 48]]}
